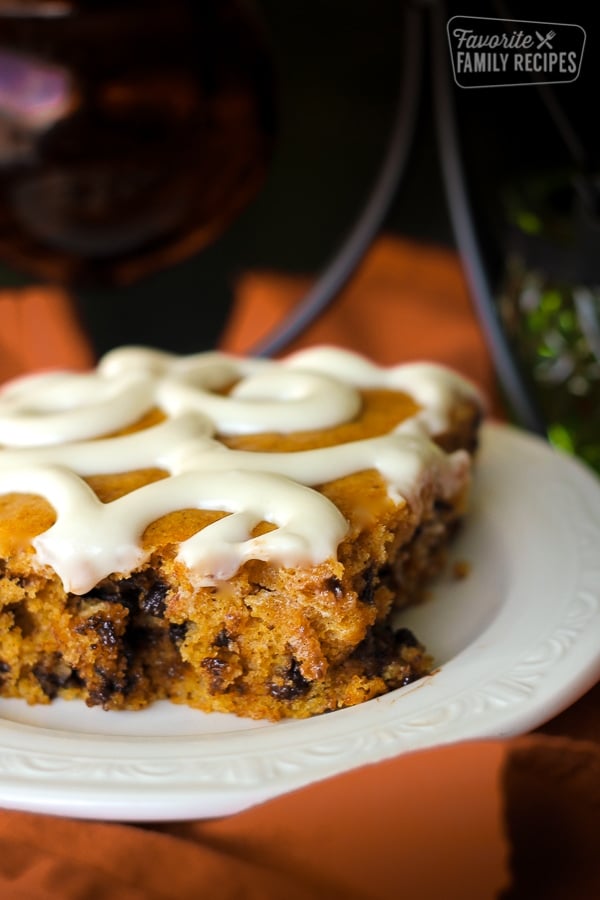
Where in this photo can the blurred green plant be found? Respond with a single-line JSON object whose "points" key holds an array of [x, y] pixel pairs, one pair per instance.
{"points": [[554, 328]]}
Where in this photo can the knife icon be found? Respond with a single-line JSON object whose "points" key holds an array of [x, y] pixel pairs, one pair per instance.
{"points": [[545, 41]]}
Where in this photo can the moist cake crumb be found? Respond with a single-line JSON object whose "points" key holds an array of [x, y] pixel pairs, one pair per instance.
{"points": [[231, 534]]}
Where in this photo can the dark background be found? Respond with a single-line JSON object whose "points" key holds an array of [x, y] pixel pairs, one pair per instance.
{"points": [[338, 67], [338, 70]]}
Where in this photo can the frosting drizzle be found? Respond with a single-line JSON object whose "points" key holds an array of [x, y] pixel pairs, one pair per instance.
{"points": [[51, 427]]}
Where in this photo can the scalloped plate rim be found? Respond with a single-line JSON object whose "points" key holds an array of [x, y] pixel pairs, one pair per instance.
{"points": [[494, 683]]}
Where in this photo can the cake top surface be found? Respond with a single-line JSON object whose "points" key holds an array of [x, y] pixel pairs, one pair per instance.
{"points": [[59, 428]]}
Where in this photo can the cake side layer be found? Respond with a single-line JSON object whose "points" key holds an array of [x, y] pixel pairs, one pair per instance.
{"points": [[270, 642], [252, 572]]}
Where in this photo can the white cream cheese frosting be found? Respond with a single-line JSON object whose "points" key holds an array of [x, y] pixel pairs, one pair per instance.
{"points": [[52, 427]]}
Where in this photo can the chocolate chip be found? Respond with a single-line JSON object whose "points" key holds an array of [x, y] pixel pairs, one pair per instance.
{"points": [[367, 595], [103, 627], [223, 639], [52, 674], [47, 681], [334, 586], [144, 591], [381, 650], [178, 631], [23, 619], [105, 685], [376, 649], [4, 670], [217, 669], [153, 602], [293, 684]]}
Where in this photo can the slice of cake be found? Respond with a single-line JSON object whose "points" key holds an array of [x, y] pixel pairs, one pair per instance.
{"points": [[232, 534]]}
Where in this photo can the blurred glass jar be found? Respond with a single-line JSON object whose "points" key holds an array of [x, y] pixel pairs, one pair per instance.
{"points": [[531, 157], [131, 133], [549, 302]]}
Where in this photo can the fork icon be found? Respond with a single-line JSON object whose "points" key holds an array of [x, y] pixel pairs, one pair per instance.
{"points": [[545, 41]]}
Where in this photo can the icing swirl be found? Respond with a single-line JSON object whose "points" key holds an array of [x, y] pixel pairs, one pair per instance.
{"points": [[52, 429]]}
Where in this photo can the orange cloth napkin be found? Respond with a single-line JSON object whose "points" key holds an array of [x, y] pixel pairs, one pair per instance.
{"points": [[487, 820], [405, 302], [512, 820], [39, 330]]}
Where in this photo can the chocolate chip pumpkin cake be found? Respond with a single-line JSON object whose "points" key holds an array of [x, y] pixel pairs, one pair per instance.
{"points": [[232, 534]]}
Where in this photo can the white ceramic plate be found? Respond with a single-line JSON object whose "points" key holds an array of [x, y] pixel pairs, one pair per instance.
{"points": [[516, 642]]}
